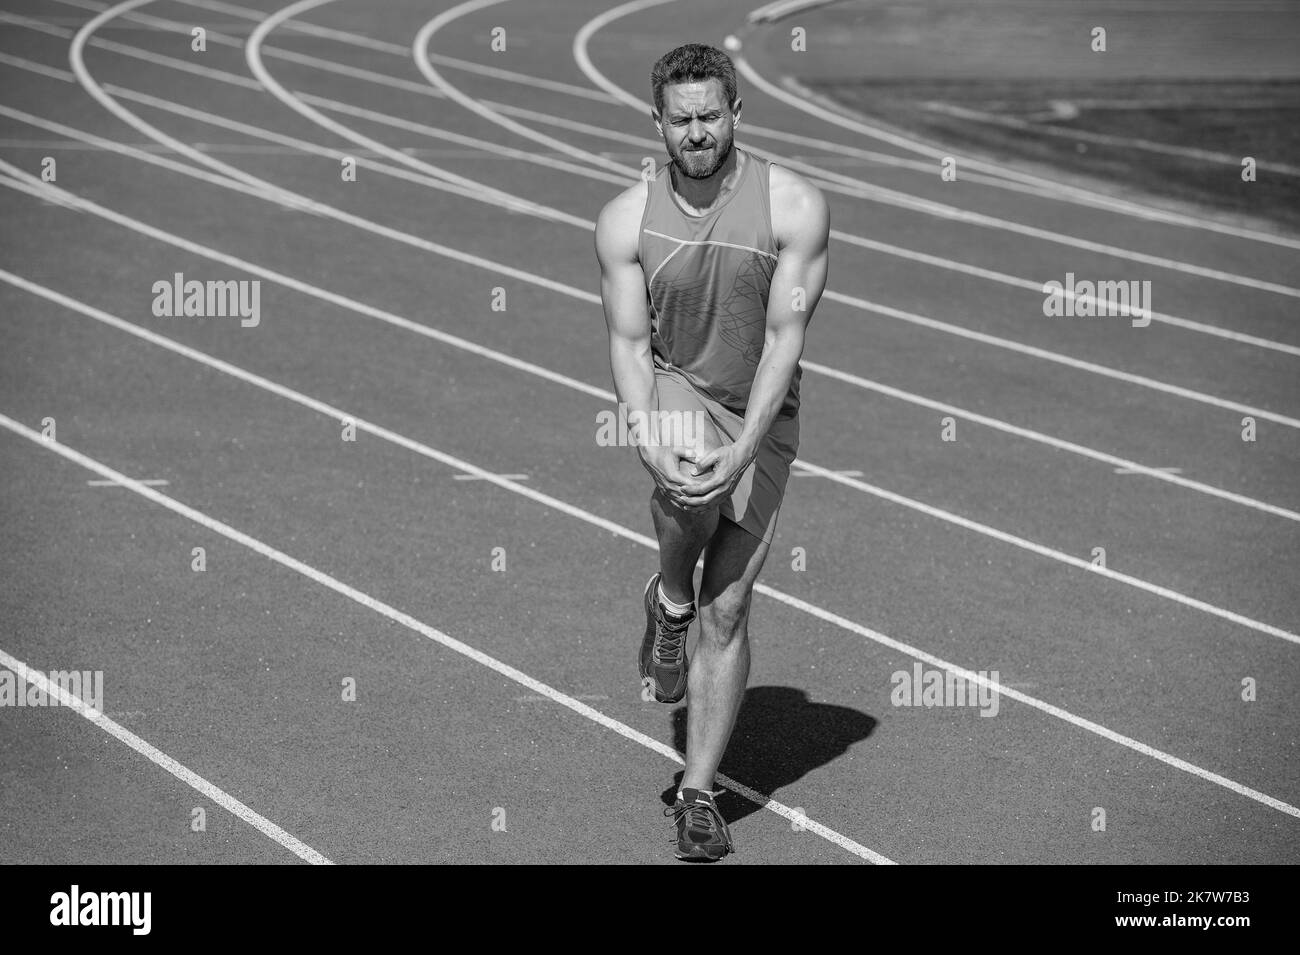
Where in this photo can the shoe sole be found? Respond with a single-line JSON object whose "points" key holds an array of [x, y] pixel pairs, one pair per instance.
{"points": [[702, 854]]}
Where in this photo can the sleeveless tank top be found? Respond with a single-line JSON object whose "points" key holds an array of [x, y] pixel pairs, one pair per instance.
{"points": [[707, 280]]}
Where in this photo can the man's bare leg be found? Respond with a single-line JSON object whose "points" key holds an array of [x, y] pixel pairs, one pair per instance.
{"points": [[720, 668], [682, 535]]}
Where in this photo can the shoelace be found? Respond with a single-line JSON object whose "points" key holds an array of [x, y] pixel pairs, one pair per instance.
{"points": [[700, 816], [670, 641]]}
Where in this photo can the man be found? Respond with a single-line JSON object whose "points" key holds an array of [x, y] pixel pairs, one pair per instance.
{"points": [[709, 275]]}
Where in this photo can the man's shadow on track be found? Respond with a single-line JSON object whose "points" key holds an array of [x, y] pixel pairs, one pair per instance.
{"points": [[780, 736]]}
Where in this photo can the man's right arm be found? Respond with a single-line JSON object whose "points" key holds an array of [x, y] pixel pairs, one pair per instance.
{"points": [[623, 294], [627, 316]]}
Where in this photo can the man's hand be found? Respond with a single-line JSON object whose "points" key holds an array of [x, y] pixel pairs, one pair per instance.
{"points": [[670, 467], [719, 471]]}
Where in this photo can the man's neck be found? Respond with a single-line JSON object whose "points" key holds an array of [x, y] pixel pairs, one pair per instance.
{"points": [[701, 195]]}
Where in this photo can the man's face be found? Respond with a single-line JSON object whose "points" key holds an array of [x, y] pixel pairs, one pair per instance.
{"points": [[697, 126]]}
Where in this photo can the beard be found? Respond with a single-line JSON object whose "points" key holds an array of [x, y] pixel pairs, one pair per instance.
{"points": [[701, 164]]}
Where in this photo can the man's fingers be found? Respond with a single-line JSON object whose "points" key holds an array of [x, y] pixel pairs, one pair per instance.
{"points": [[706, 461], [680, 475], [695, 503], [708, 485], [705, 493]]}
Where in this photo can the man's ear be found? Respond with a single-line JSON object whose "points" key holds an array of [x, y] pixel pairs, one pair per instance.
{"points": [[659, 124], [735, 113]]}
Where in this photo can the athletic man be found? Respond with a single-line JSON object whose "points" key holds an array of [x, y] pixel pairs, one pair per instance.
{"points": [[709, 274]]}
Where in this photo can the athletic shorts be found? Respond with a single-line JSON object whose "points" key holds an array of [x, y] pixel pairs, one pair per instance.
{"points": [[756, 500]]}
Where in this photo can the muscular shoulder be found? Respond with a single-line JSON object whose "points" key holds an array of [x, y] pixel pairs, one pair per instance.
{"points": [[799, 210], [618, 227]]}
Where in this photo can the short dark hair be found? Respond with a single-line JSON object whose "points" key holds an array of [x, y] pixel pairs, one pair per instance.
{"points": [[693, 63]]}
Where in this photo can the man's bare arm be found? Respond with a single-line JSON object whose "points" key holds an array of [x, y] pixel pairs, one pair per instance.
{"points": [[797, 286], [627, 317]]}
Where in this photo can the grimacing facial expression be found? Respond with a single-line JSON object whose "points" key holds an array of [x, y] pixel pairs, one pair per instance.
{"points": [[697, 126]]}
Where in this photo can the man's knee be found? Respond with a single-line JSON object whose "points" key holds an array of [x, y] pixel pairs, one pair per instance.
{"points": [[725, 617], [689, 432], [668, 516]]}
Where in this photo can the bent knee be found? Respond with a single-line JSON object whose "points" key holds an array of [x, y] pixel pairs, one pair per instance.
{"points": [[725, 618]]}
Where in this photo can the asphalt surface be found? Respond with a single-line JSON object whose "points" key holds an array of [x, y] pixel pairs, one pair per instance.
{"points": [[500, 720]]}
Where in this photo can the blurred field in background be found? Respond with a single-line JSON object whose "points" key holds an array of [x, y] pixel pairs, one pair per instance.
{"points": [[1184, 90]]}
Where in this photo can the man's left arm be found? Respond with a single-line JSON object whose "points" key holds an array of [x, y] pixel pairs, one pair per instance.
{"points": [[796, 288]]}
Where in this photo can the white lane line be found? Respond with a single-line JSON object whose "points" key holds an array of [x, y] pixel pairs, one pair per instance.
{"points": [[420, 51], [1069, 447], [397, 616], [363, 161], [879, 193], [253, 56], [607, 525], [475, 477], [1050, 552], [37, 188], [1078, 364], [1085, 724], [121, 733], [135, 52], [518, 203], [468, 188], [850, 474], [1052, 191], [772, 12], [29, 184], [486, 150], [1131, 471], [77, 60], [299, 203], [147, 482], [396, 49], [1015, 281], [88, 82]]}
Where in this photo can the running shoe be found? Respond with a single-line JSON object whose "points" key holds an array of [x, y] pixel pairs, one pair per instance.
{"points": [[702, 833], [662, 660]]}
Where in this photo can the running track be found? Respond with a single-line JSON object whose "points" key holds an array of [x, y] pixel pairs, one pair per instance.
{"points": [[509, 695]]}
